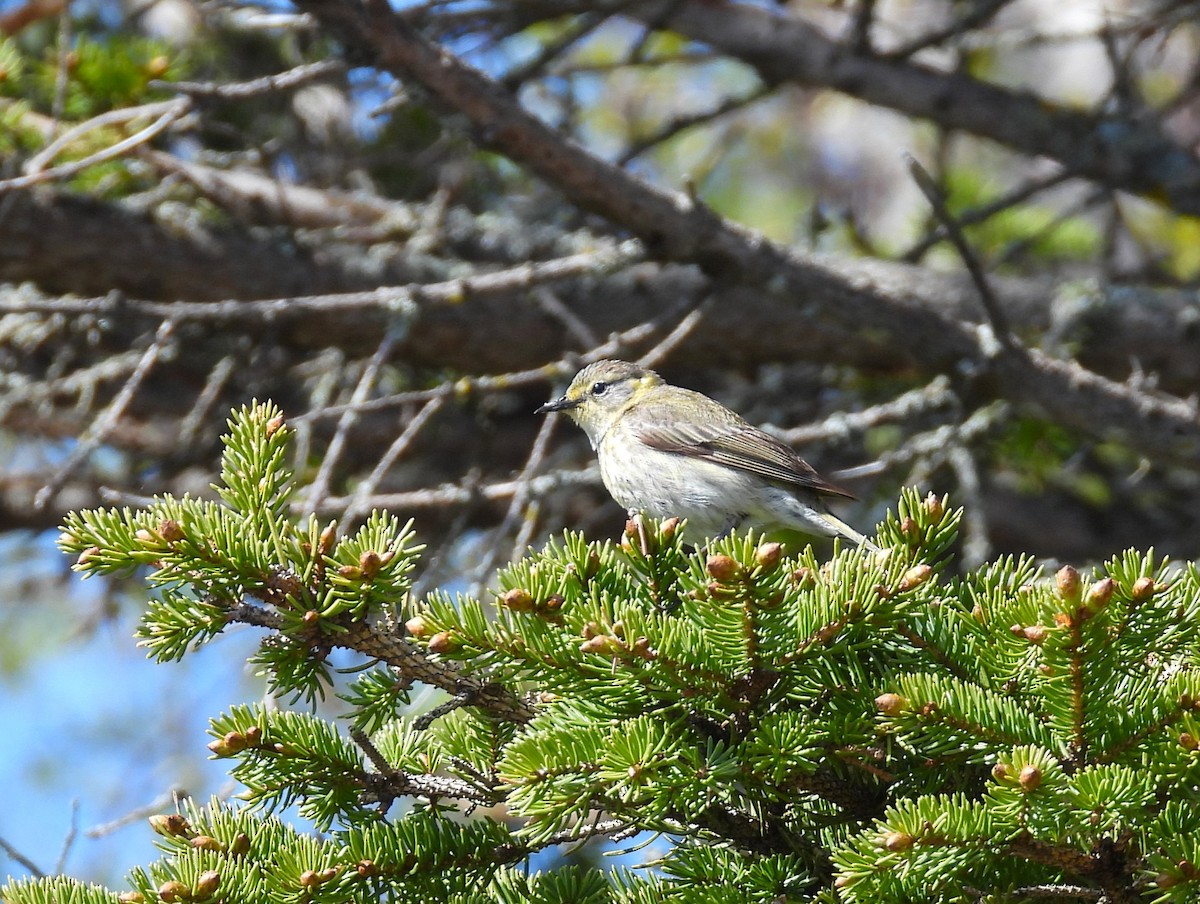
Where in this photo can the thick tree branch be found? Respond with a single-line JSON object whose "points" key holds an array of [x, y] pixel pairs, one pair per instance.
{"points": [[67, 243], [675, 228], [1132, 155]]}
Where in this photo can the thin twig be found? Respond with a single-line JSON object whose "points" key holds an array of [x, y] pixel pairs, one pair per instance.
{"points": [[991, 304], [545, 299], [217, 378], [62, 74], [977, 16], [107, 419], [444, 496], [1071, 892], [985, 212], [842, 424], [679, 124], [933, 443], [167, 798], [35, 168], [977, 546], [69, 840], [1025, 242], [362, 493], [860, 28], [600, 67], [378, 760], [576, 31], [517, 507], [16, 855], [280, 81], [671, 341], [467, 386], [366, 382]]}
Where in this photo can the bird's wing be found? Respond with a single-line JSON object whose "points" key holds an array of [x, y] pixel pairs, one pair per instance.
{"points": [[724, 438]]}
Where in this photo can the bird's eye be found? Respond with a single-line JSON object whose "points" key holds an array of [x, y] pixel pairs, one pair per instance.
{"points": [[599, 388]]}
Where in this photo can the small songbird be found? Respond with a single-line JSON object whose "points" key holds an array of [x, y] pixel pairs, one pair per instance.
{"points": [[668, 451]]}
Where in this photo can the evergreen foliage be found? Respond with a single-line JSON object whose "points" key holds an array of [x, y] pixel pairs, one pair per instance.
{"points": [[860, 728]]}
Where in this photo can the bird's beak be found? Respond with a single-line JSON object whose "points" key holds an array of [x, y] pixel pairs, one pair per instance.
{"points": [[563, 404]]}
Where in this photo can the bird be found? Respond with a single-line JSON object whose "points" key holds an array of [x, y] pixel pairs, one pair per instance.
{"points": [[667, 451]]}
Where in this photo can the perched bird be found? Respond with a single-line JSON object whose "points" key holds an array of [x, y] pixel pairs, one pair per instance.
{"points": [[669, 451]]}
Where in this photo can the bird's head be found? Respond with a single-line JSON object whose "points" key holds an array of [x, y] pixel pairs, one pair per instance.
{"points": [[601, 392]]}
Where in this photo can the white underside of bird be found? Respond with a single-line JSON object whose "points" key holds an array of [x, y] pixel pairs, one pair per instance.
{"points": [[704, 502]]}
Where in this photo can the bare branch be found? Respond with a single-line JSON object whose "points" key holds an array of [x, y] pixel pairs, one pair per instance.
{"points": [[674, 228], [991, 305], [268, 84], [1134, 155], [167, 112], [106, 420]]}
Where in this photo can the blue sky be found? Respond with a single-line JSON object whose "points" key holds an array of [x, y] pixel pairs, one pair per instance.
{"points": [[88, 718]]}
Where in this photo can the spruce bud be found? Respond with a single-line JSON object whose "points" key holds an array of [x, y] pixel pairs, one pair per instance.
{"points": [[934, 507], [369, 564], [1030, 777], [1167, 880], [1100, 593], [898, 842], [173, 891], [444, 642], [803, 577], [891, 705], [1068, 583], [601, 643], [722, 568], [206, 884], [232, 743], [642, 649], [171, 825], [915, 577], [171, 530], [518, 600], [327, 539], [767, 556], [1143, 589], [417, 626], [1035, 634]]}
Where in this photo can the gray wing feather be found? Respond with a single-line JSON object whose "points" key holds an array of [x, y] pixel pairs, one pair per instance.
{"points": [[724, 438]]}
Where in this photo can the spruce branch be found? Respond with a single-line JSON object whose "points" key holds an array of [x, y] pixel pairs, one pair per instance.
{"points": [[861, 724]]}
